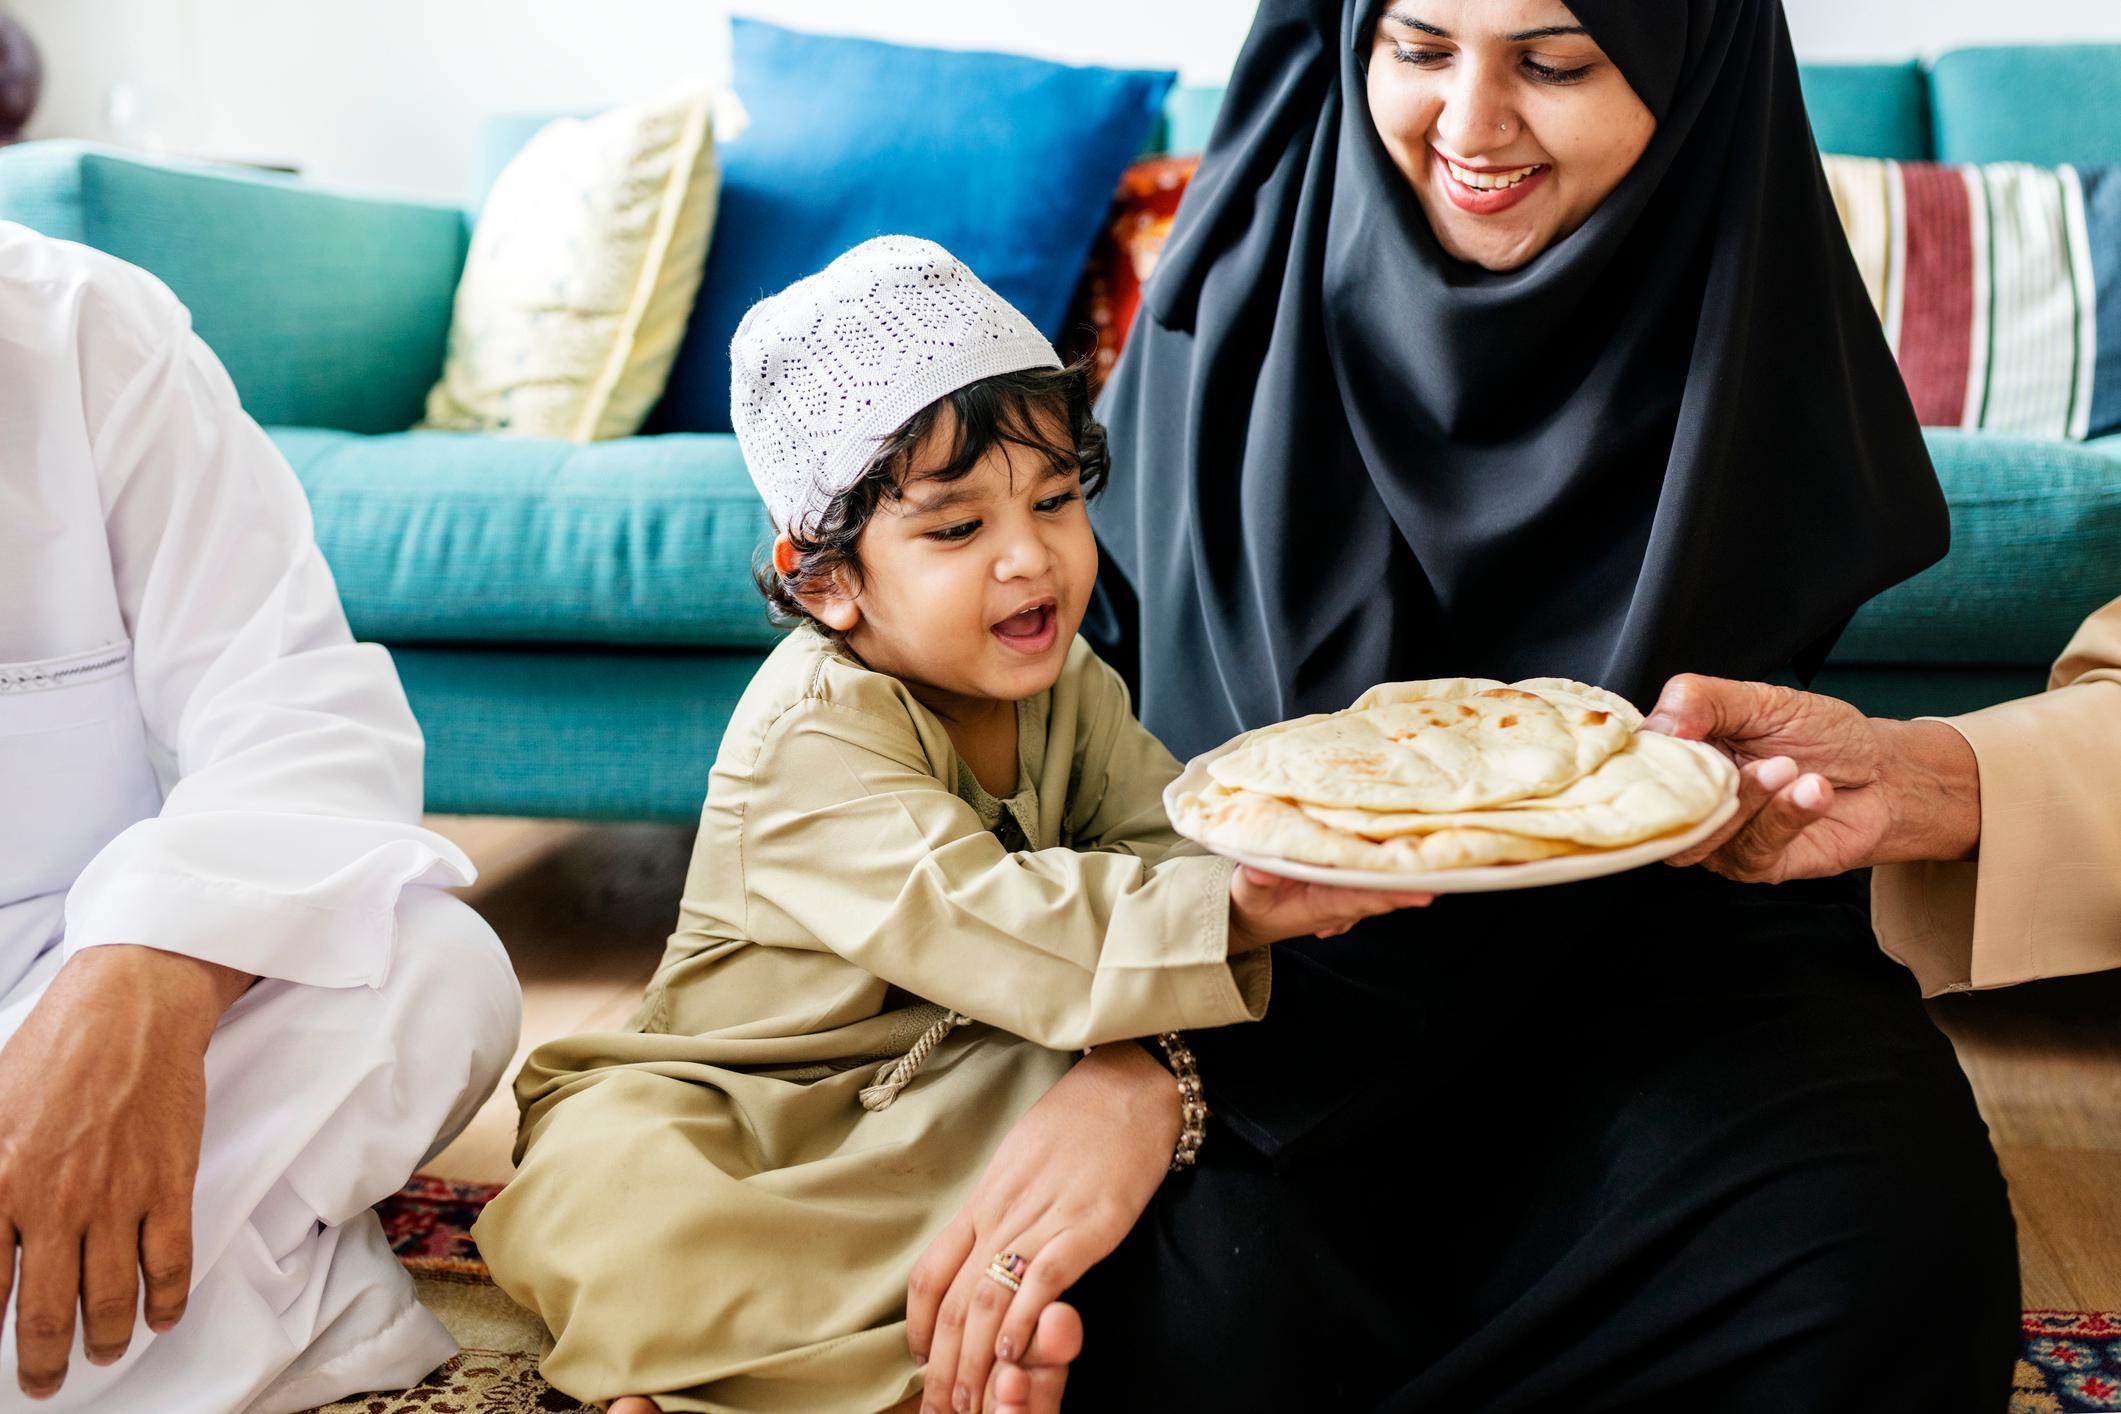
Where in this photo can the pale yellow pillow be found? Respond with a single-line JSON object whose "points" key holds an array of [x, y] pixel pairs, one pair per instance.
{"points": [[581, 276]]}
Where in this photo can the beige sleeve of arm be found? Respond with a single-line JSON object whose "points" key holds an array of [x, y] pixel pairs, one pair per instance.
{"points": [[2044, 897], [851, 840], [1120, 771]]}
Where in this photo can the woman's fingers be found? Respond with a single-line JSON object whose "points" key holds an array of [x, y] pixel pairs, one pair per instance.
{"points": [[46, 1294], [1759, 852], [930, 1283], [990, 1302], [110, 1290], [165, 1260]]}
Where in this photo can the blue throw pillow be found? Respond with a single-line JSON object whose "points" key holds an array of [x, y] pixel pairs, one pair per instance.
{"points": [[1009, 163]]}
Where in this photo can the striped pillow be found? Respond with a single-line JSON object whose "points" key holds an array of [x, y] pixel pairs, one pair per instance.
{"points": [[1999, 287]]}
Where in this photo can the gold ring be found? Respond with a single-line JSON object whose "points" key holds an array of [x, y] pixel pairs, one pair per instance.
{"points": [[1001, 1275]]}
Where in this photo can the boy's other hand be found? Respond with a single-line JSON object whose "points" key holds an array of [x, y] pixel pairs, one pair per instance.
{"points": [[1267, 908]]}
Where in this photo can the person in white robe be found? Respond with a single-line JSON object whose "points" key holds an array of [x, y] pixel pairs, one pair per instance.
{"points": [[237, 1006]]}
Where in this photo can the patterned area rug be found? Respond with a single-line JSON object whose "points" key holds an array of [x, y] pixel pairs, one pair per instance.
{"points": [[429, 1226], [2070, 1362]]}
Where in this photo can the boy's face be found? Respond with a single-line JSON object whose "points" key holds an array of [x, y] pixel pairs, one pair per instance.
{"points": [[974, 588]]}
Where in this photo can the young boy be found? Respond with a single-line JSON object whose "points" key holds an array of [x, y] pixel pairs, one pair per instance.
{"points": [[933, 866]]}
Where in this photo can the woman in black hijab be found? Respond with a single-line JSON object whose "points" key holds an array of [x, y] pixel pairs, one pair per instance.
{"points": [[1509, 339]]}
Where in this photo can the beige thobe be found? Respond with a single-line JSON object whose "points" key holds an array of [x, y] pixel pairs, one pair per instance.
{"points": [[2044, 897], [705, 1211]]}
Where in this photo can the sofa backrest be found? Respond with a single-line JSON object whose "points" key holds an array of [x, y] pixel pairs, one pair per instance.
{"points": [[328, 310]]}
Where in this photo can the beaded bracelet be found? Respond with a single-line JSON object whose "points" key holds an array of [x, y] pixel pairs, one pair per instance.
{"points": [[1192, 1109]]}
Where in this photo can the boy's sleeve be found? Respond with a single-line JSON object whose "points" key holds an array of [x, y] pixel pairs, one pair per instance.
{"points": [[1121, 770], [858, 845]]}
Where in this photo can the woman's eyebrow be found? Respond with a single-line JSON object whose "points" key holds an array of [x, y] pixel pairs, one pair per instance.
{"points": [[1521, 37], [1403, 18]]}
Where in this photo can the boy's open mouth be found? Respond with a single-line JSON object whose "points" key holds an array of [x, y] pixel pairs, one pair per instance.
{"points": [[1031, 629]]}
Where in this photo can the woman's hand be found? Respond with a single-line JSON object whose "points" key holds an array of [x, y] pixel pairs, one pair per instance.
{"points": [[1067, 1183], [102, 1100], [1822, 788], [1266, 908]]}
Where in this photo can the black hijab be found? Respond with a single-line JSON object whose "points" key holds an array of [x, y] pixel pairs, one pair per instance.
{"points": [[1675, 440]]}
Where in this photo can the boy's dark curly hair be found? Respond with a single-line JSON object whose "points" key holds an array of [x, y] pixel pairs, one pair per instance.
{"points": [[992, 412]]}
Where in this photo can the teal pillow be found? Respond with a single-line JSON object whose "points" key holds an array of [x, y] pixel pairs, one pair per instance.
{"points": [[1869, 110], [2041, 103], [327, 309], [1009, 163], [1189, 118]]}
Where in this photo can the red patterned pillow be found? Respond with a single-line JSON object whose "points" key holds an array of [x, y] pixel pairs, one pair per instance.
{"points": [[1122, 259], [1998, 287]]}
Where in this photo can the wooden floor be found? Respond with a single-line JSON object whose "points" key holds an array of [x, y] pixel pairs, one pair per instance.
{"points": [[584, 910]]}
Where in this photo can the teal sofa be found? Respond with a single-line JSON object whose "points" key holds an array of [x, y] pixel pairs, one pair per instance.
{"points": [[574, 623]]}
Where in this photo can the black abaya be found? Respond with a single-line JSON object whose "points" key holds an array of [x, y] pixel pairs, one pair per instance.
{"points": [[1710, 1159], [1652, 1143]]}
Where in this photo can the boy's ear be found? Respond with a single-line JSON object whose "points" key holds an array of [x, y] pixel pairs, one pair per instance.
{"points": [[835, 608]]}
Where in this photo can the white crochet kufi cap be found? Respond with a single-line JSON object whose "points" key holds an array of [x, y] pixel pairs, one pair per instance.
{"points": [[824, 371]]}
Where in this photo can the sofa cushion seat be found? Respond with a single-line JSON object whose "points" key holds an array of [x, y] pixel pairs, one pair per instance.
{"points": [[2036, 547], [441, 536]]}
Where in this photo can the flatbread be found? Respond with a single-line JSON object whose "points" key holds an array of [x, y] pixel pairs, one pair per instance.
{"points": [[1252, 823], [1656, 786], [1597, 697], [1451, 744]]}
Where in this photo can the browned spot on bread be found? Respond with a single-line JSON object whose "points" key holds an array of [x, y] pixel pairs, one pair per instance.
{"points": [[1512, 693], [1509, 721], [1596, 719], [1465, 711]]}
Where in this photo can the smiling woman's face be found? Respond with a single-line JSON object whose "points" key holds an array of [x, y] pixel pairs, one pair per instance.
{"points": [[1506, 118]]}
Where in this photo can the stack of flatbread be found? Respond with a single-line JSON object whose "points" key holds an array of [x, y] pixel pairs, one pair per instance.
{"points": [[1455, 773]]}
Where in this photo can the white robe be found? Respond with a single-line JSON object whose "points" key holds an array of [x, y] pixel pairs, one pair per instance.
{"points": [[195, 755]]}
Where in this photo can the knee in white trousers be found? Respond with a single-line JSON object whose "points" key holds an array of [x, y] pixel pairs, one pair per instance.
{"points": [[320, 1102]]}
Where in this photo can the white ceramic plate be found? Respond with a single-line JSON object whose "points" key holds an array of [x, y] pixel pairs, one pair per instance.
{"points": [[1488, 878]]}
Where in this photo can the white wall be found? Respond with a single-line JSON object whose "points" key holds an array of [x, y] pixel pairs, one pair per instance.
{"points": [[390, 93], [1902, 29]]}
